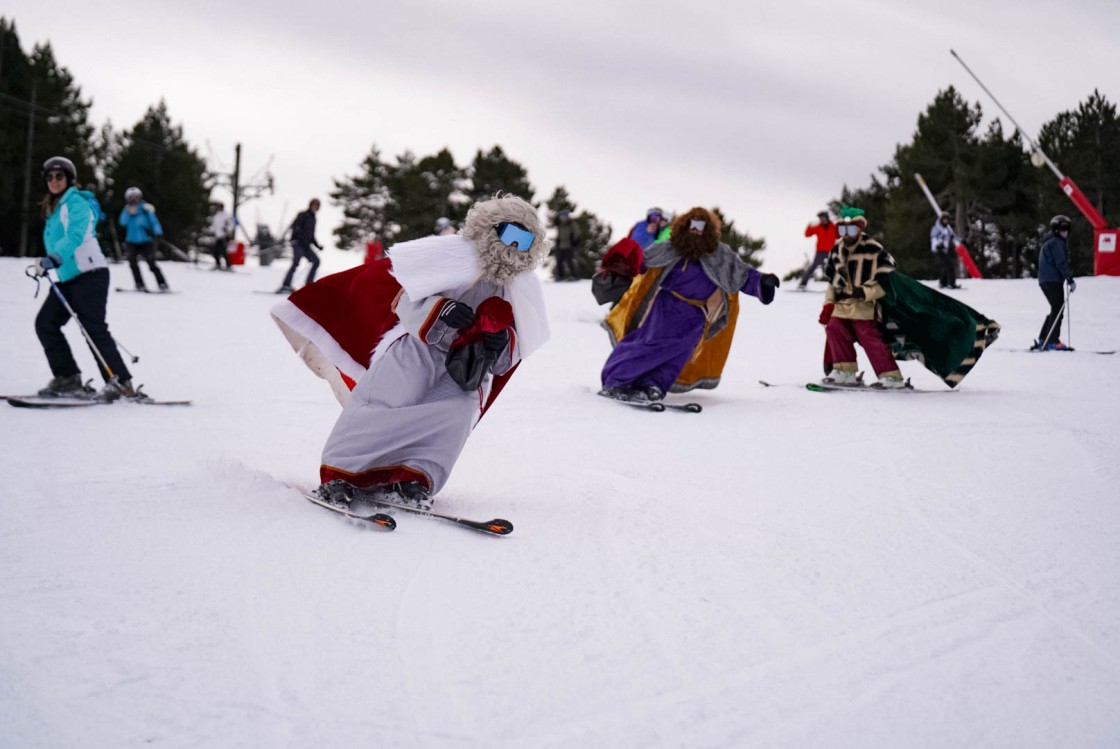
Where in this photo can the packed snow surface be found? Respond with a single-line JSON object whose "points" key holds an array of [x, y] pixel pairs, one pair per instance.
{"points": [[785, 569]]}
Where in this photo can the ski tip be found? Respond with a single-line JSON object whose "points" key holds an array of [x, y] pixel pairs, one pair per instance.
{"points": [[765, 384], [385, 521], [693, 408], [499, 527]]}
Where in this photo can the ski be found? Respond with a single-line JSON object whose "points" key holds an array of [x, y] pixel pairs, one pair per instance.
{"points": [[45, 401], [823, 387], [1102, 352], [378, 518], [157, 292], [497, 526], [655, 406]]}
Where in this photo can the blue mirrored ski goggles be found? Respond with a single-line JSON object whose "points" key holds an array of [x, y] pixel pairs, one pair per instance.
{"points": [[515, 235], [848, 230]]}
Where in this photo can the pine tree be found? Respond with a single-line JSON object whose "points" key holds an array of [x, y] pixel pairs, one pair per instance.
{"points": [[38, 97], [423, 190], [741, 243], [154, 157], [492, 172], [944, 150], [364, 200]]}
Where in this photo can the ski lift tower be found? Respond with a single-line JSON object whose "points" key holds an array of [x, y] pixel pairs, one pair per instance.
{"points": [[1106, 254]]}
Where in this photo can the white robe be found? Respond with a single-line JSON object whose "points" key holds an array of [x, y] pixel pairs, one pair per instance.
{"points": [[405, 410]]}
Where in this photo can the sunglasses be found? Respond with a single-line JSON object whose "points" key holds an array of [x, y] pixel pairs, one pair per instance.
{"points": [[55, 176], [515, 235], [697, 224], [848, 230]]}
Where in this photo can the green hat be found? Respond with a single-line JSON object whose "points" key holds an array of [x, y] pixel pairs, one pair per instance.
{"points": [[850, 215]]}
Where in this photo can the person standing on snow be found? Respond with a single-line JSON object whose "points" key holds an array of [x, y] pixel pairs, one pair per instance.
{"points": [[1053, 271], [943, 244], [447, 320], [567, 241], [221, 230], [141, 226], [83, 279], [645, 232], [825, 232], [853, 270], [303, 237], [673, 329], [443, 227]]}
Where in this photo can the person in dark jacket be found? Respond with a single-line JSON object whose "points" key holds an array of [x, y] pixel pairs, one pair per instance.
{"points": [[303, 237], [567, 241], [1053, 272]]}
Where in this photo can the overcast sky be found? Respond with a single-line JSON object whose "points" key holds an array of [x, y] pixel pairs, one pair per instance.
{"points": [[763, 109]]}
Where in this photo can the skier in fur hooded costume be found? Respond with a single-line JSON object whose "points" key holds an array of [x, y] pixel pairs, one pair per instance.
{"points": [[447, 318], [673, 328], [892, 316]]}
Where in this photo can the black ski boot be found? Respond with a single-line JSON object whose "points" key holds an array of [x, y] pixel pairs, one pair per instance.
{"points": [[337, 492], [66, 387], [411, 493]]}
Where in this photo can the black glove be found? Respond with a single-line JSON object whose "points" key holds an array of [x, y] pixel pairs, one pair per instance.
{"points": [[495, 343], [768, 283], [51, 261], [456, 314]]}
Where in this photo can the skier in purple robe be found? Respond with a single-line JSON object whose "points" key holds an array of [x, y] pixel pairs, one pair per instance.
{"points": [[684, 313]]}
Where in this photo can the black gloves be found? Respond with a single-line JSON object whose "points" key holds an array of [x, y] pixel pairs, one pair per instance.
{"points": [[456, 314], [767, 284], [495, 343]]}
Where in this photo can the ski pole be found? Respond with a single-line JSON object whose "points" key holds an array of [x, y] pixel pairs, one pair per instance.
{"points": [[32, 271], [131, 355], [1069, 320]]}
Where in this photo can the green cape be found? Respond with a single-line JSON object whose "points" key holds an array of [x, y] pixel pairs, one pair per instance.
{"points": [[946, 336]]}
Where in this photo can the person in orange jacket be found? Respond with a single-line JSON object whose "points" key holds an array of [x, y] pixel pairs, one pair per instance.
{"points": [[825, 232]]}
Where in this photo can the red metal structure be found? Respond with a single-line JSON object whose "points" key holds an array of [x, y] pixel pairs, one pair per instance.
{"points": [[1106, 254]]}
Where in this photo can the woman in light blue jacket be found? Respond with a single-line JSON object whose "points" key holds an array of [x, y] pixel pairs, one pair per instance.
{"points": [[83, 278]]}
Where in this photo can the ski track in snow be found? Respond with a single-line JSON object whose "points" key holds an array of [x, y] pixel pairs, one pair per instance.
{"points": [[785, 569]]}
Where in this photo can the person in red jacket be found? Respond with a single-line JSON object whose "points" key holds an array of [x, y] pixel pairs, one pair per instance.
{"points": [[825, 232]]}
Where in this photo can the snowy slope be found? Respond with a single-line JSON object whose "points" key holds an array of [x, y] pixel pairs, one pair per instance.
{"points": [[792, 569]]}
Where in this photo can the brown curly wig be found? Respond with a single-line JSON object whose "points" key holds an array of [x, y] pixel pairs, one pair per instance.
{"points": [[695, 246]]}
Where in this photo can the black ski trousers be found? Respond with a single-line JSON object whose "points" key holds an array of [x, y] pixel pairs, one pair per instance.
{"points": [[1052, 325], [299, 252], [146, 251], [88, 295], [947, 267]]}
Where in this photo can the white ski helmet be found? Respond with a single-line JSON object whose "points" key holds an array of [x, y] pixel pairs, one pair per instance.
{"points": [[133, 193]]}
